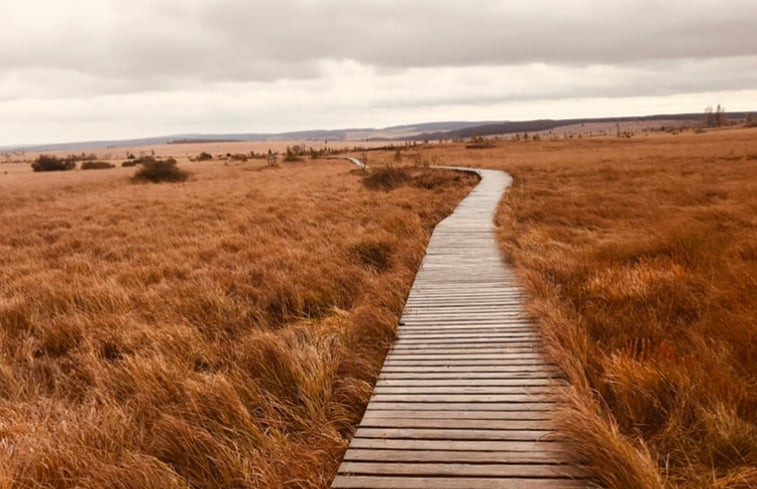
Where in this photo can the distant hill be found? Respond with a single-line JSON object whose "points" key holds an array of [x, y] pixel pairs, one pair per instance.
{"points": [[355, 134], [512, 127], [407, 132]]}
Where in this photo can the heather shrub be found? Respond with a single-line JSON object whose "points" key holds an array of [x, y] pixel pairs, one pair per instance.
{"points": [[97, 165], [386, 177], [160, 171], [53, 163]]}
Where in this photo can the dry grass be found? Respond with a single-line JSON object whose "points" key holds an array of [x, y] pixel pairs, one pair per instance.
{"points": [[641, 257], [223, 332]]}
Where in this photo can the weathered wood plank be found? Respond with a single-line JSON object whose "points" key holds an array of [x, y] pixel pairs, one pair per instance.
{"points": [[506, 382], [470, 414], [459, 470], [452, 434], [373, 421], [542, 446], [395, 482], [463, 406], [451, 456], [436, 369]]}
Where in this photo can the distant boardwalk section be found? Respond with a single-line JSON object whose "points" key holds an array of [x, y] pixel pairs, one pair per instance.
{"points": [[466, 398]]}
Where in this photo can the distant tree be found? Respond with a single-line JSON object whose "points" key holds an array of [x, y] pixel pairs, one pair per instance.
{"points": [[709, 117], [721, 118], [271, 158], [715, 118]]}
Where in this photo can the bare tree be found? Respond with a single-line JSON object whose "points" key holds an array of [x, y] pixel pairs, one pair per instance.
{"points": [[715, 118]]}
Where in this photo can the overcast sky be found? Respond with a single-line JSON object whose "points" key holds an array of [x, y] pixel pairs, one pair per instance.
{"points": [[95, 69]]}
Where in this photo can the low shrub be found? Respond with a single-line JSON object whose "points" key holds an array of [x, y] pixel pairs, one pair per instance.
{"points": [[53, 163], [478, 142], [295, 153], [204, 156], [129, 163], [96, 165], [160, 171], [387, 177]]}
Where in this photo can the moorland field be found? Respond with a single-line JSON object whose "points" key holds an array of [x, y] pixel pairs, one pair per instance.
{"points": [[222, 332], [225, 331]]}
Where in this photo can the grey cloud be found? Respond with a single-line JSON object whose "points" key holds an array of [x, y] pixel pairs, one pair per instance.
{"points": [[244, 40], [110, 65]]}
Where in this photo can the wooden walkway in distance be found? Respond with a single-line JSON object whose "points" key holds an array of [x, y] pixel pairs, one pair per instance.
{"points": [[465, 398]]}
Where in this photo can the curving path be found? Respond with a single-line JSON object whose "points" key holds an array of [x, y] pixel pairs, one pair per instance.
{"points": [[466, 398]]}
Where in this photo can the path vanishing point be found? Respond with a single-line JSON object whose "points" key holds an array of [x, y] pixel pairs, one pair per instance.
{"points": [[466, 398]]}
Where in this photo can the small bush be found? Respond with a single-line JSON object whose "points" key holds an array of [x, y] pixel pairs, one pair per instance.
{"points": [[96, 165], [478, 142], [204, 156], [386, 177], [295, 153], [129, 163], [160, 171], [53, 163]]}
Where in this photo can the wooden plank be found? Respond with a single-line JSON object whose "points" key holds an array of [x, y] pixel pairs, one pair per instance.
{"points": [[399, 482], [490, 347], [460, 456], [372, 421], [470, 414], [486, 334], [472, 354], [480, 342], [436, 369], [541, 446], [389, 404], [452, 434], [462, 389], [494, 360], [471, 376], [467, 398], [506, 382], [460, 470], [453, 332]]}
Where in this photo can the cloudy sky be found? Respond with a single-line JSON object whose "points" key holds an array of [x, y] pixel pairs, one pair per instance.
{"points": [[93, 69]]}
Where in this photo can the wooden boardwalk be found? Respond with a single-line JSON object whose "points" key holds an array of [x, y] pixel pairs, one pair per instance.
{"points": [[465, 398]]}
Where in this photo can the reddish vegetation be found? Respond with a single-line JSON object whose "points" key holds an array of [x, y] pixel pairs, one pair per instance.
{"points": [[223, 332]]}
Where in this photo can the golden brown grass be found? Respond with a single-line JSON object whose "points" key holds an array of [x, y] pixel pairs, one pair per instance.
{"points": [[641, 257], [222, 332]]}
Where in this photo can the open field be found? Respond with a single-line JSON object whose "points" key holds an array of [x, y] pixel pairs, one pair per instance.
{"points": [[223, 332], [641, 257]]}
